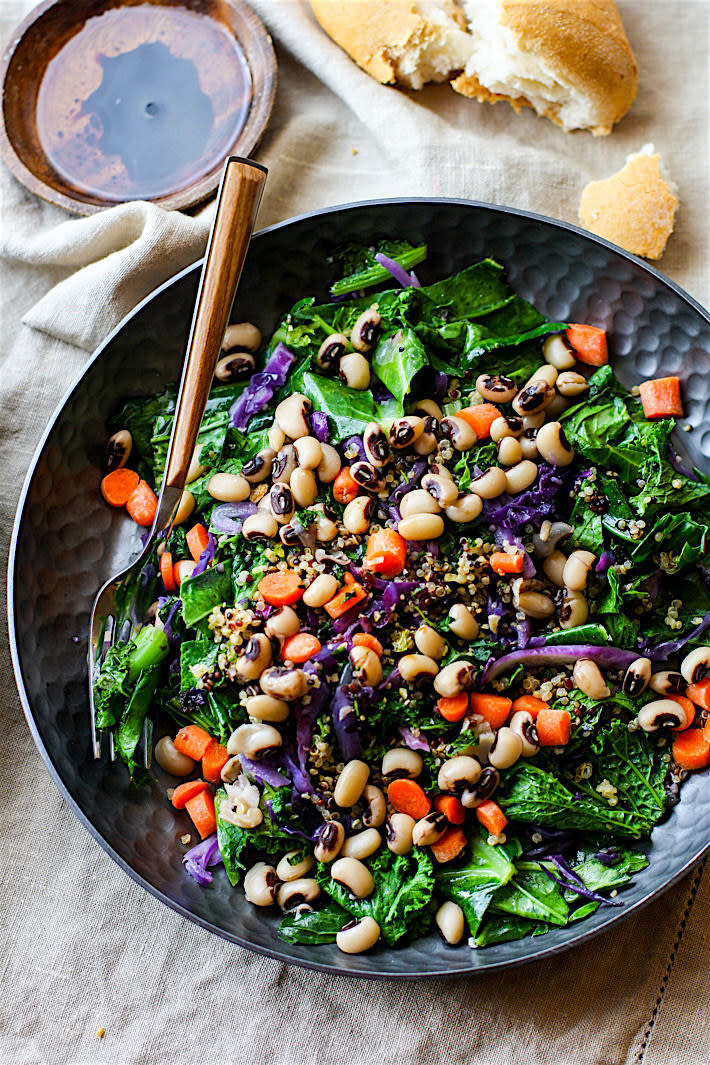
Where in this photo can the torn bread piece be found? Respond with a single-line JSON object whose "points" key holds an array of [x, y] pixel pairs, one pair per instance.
{"points": [[570, 60], [403, 42], [634, 208]]}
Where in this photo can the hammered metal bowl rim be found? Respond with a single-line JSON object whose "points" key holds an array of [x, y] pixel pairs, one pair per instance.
{"points": [[374, 974]]}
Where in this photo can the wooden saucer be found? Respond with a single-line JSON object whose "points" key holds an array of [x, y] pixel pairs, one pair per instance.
{"points": [[106, 101]]}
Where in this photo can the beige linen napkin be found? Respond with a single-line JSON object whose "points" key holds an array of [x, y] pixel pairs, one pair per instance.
{"points": [[84, 948]]}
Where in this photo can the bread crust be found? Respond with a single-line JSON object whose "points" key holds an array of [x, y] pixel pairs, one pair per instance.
{"points": [[374, 32], [633, 208], [584, 44]]}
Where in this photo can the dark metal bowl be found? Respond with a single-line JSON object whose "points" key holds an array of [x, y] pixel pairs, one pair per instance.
{"points": [[66, 541]]}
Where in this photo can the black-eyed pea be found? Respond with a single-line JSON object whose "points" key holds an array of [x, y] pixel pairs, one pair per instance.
{"points": [[172, 760], [184, 570], [357, 514], [520, 476], [421, 527], [330, 464], [374, 807], [450, 922], [367, 665], [292, 415], [366, 330], [495, 388], [256, 656], [545, 372], [553, 445], [321, 590], [400, 762], [331, 352], [376, 444], [430, 643], [304, 486], [441, 489], [523, 725], [367, 476], [292, 866], [241, 336], [459, 773], [577, 570], [429, 440], [509, 451], [419, 502], [284, 683], [533, 421], [354, 371], [308, 452], [118, 450], [533, 398], [571, 384], [510, 425], [550, 535], [574, 610], [185, 508], [353, 875], [588, 678], [405, 431], [228, 487], [254, 740], [426, 408], [528, 444], [358, 936], [528, 596], [267, 708], [557, 353], [284, 464], [695, 667], [260, 884], [455, 678], [351, 782], [457, 430], [662, 713], [429, 829], [484, 786], [417, 668], [490, 484], [637, 677], [399, 833], [667, 682], [235, 367], [297, 893], [465, 509], [276, 437], [329, 842], [260, 526], [462, 622], [506, 750], [362, 845], [283, 623], [553, 567], [259, 468]]}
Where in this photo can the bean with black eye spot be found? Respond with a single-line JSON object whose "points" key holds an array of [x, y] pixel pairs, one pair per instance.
{"points": [[458, 432], [259, 468], [282, 503], [366, 476], [331, 351], [376, 444], [534, 397], [241, 336], [404, 431], [118, 450], [637, 677], [284, 464], [366, 330], [496, 388], [235, 367], [505, 426]]}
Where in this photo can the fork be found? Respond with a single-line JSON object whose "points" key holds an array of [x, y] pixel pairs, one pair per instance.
{"points": [[238, 201]]}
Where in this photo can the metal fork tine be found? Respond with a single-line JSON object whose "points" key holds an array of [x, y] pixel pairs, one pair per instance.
{"points": [[146, 745]]}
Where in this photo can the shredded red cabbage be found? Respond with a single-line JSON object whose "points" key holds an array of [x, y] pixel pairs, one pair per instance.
{"points": [[606, 559], [415, 282], [197, 859], [284, 827], [345, 723], [354, 443], [662, 651], [610, 657], [393, 267], [571, 881], [263, 772], [415, 743], [229, 517], [207, 555], [534, 505], [319, 425], [262, 387]]}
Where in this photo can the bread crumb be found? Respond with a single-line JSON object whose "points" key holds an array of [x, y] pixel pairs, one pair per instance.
{"points": [[101, 1032], [634, 208], [187, 838], [354, 151]]}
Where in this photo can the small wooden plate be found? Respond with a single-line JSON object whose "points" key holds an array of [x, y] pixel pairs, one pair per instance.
{"points": [[112, 100]]}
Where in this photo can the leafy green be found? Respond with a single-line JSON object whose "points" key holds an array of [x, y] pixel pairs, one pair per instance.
{"points": [[474, 292], [200, 652], [111, 688], [531, 894], [403, 889], [362, 270], [473, 884], [396, 360], [232, 842], [130, 730], [314, 926], [201, 594], [600, 877], [589, 633], [502, 929]]}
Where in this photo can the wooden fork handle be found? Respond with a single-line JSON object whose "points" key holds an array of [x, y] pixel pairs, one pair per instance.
{"points": [[237, 205]]}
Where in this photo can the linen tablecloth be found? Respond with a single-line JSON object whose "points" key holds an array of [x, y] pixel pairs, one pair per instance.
{"points": [[85, 948]]}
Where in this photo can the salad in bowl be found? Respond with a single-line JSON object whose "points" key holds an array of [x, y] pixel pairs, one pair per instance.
{"points": [[425, 645]]}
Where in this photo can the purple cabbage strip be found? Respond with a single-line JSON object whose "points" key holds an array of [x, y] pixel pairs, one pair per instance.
{"points": [[534, 505], [263, 772], [415, 743], [345, 723], [206, 556], [198, 858], [354, 443], [677, 463], [299, 775], [662, 651], [285, 828], [606, 559], [415, 282], [319, 425], [610, 657], [608, 856], [569, 880], [229, 517], [393, 267], [262, 387], [173, 638], [417, 472]]}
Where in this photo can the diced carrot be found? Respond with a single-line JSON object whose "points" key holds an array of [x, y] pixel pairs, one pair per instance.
{"points": [[453, 707], [366, 639], [281, 588], [451, 808], [688, 708], [408, 797], [691, 749], [167, 571], [197, 540], [346, 598], [706, 730], [202, 813], [450, 845], [529, 703], [700, 694], [184, 792], [192, 741], [491, 817], [386, 552], [213, 761], [553, 727], [660, 398], [480, 417], [494, 708], [589, 343], [301, 647], [501, 562], [118, 486], [142, 504], [345, 487], [182, 570]]}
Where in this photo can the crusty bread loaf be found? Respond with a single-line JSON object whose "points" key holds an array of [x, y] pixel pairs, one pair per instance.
{"points": [[570, 60], [634, 208], [407, 42]]}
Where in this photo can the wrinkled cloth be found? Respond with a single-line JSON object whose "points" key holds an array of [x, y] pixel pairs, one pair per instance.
{"points": [[84, 947]]}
